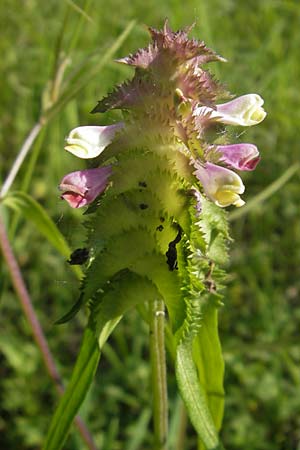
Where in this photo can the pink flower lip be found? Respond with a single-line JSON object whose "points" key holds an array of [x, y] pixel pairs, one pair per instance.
{"points": [[80, 188], [239, 156]]}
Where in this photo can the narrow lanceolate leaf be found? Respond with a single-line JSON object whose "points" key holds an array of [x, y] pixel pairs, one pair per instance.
{"points": [[33, 211], [194, 397], [81, 380], [82, 377], [199, 362], [207, 354]]}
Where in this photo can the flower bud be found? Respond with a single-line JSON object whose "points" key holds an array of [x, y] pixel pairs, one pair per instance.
{"points": [[89, 141], [221, 185], [82, 187], [239, 156]]}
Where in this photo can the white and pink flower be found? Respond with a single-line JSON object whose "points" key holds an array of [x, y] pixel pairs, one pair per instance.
{"points": [[245, 111], [90, 141], [221, 185], [82, 187]]}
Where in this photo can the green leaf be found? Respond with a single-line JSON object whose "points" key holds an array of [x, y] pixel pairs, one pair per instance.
{"points": [[207, 354], [82, 377], [194, 397], [33, 211]]}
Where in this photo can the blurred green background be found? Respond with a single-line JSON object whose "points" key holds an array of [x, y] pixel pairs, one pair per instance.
{"points": [[259, 323]]}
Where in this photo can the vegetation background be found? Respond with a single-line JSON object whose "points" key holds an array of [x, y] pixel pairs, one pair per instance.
{"points": [[259, 323]]}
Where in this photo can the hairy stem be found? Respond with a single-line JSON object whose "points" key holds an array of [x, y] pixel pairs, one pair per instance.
{"points": [[38, 335], [159, 373]]}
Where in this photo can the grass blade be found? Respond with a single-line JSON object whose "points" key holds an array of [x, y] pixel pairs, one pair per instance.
{"points": [[74, 89]]}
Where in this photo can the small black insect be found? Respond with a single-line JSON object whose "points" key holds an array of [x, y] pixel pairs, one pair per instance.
{"points": [[171, 254], [143, 206], [159, 228], [143, 184], [79, 256]]}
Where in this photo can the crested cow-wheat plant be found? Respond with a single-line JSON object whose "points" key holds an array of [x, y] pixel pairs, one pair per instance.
{"points": [[157, 230]]}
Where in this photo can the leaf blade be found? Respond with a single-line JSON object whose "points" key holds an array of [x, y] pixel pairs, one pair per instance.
{"points": [[74, 395], [31, 210], [194, 397], [209, 360], [81, 380]]}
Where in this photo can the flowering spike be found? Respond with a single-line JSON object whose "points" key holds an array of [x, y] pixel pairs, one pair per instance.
{"points": [[162, 215], [82, 187]]}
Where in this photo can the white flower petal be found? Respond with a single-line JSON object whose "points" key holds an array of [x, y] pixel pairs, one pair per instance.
{"points": [[90, 141]]}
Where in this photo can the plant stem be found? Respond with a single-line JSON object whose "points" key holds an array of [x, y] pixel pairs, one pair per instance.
{"points": [[38, 335], [159, 373], [20, 158], [181, 436]]}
